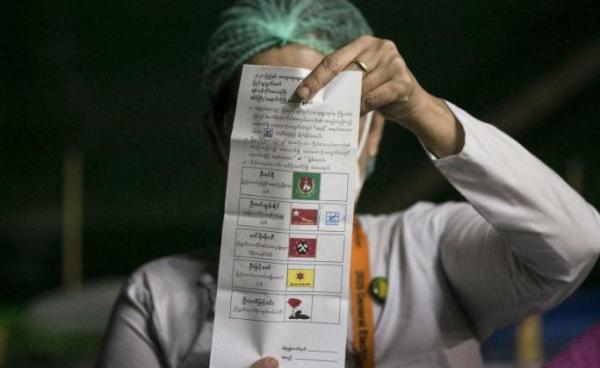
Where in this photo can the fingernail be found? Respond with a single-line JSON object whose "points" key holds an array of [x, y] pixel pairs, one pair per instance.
{"points": [[303, 92]]}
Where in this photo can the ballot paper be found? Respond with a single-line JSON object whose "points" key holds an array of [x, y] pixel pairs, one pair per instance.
{"points": [[287, 230]]}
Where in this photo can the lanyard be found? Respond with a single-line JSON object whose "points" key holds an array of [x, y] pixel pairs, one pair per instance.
{"points": [[362, 317]]}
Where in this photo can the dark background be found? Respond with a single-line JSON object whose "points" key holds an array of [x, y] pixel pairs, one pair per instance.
{"points": [[120, 81]]}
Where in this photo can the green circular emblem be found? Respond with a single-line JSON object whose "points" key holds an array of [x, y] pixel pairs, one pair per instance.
{"points": [[378, 288]]}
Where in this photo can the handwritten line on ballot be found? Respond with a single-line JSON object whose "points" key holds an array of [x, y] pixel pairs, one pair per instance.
{"points": [[285, 246]]}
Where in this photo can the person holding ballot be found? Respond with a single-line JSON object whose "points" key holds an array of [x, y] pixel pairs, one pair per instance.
{"points": [[443, 277]]}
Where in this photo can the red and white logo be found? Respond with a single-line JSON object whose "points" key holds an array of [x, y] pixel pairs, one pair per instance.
{"points": [[304, 216]]}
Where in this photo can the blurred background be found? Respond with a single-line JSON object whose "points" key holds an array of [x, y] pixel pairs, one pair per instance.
{"points": [[104, 165]]}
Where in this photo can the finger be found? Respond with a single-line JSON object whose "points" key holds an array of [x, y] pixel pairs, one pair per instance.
{"points": [[267, 362], [354, 67], [382, 96], [369, 58], [376, 78], [328, 68], [387, 67]]}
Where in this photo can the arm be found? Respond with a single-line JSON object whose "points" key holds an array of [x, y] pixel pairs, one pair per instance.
{"points": [[129, 340], [527, 241]]}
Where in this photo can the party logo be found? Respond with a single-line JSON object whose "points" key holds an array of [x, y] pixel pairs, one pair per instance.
{"points": [[301, 247], [306, 185], [304, 216], [300, 277]]}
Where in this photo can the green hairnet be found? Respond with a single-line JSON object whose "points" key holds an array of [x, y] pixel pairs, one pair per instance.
{"points": [[251, 26]]}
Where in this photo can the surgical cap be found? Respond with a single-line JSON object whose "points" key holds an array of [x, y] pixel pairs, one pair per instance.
{"points": [[251, 26]]}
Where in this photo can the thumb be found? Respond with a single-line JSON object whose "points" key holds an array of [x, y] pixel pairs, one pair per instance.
{"points": [[267, 362]]}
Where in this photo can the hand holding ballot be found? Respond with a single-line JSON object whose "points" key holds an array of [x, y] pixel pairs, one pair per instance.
{"points": [[390, 88]]}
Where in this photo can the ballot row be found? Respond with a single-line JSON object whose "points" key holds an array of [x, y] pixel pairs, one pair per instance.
{"points": [[273, 276], [291, 308], [302, 185], [286, 246], [291, 215]]}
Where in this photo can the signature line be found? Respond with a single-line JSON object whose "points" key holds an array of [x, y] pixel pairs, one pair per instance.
{"points": [[322, 351]]}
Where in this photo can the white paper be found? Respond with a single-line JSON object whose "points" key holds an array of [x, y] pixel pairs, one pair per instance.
{"points": [[287, 231]]}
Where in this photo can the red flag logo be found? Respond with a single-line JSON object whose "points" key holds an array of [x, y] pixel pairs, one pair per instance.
{"points": [[300, 247], [304, 216]]}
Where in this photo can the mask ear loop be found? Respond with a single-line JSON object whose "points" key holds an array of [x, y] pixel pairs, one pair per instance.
{"points": [[363, 139], [361, 147]]}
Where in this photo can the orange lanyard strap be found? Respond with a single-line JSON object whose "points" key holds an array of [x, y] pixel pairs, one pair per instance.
{"points": [[362, 317]]}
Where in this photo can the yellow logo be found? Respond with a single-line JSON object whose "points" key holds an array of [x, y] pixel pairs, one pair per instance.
{"points": [[300, 277]]}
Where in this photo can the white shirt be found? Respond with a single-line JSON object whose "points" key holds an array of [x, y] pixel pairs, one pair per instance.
{"points": [[457, 271]]}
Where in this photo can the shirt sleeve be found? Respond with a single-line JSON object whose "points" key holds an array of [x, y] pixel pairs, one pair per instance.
{"points": [[129, 340], [525, 241]]}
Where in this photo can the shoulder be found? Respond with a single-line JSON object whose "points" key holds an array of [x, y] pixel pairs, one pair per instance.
{"points": [[174, 272], [167, 284]]}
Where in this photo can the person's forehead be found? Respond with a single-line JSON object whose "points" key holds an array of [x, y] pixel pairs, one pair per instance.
{"points": [[291, 55]]}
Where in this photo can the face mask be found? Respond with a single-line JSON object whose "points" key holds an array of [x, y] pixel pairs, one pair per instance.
{"points": [[362, 143], [370, 169]]}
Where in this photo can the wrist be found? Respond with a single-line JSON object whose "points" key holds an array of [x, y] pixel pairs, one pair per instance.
{"points": [[424, 108], [436, 127]]}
